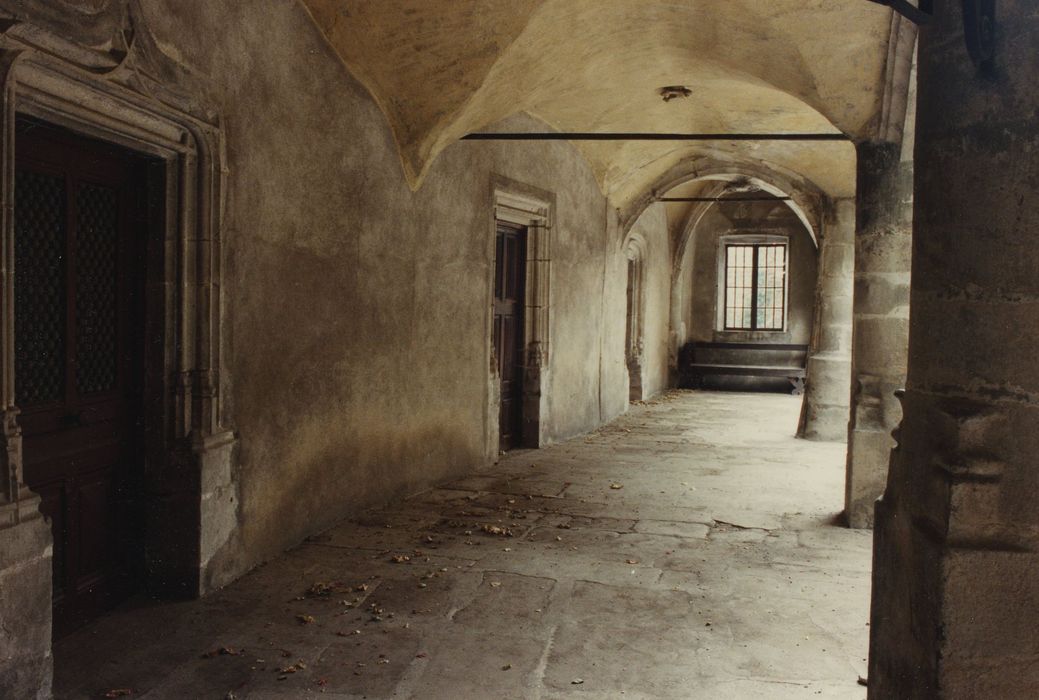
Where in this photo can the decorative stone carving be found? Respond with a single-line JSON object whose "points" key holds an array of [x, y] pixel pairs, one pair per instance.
{"points": [[92, 66], [107, 38], [523, 205]]}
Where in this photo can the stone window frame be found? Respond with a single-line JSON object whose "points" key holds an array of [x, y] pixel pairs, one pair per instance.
{"points": [[190, 452], [523, 205], [719, 302]]}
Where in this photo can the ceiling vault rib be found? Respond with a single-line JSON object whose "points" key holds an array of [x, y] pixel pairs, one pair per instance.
{"points": [[587, 136]]}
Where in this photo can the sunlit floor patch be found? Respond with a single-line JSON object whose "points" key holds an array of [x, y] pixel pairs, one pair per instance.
{"points": [[685, 551]]}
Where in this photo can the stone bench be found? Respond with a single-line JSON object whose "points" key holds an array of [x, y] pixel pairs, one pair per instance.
{"points": [[701, 359]]}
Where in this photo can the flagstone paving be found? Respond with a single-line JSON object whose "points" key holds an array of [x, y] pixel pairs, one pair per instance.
{"points": [[688, 550]]}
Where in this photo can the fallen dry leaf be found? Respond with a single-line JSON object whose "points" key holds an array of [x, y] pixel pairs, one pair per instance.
{"points": [[321, 589], [304, 619], [496, 530], [223, 651], [400, 558], [298, 666], [616, 486]]}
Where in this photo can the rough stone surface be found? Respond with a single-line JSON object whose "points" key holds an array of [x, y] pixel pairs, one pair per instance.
{"points": [[954, 587], [25, 610], [827, 387], [883, 245], [715, 570], [373, 299]]}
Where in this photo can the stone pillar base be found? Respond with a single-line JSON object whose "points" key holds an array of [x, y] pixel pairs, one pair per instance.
{"points": [[826, 398], [26, 665], [869, 452], [635, 392], [533, 406]]}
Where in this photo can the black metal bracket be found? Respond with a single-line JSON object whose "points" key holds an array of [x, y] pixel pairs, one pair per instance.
{"points": [[916, 15], [979, 29], [979, 25]]}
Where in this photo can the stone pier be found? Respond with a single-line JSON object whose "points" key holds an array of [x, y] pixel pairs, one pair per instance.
{"points": [[883, 251], [825, 414], [957, 533]]}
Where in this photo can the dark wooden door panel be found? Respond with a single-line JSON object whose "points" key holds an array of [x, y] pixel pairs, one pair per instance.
{"points": [[508, 330], [78, 285]]}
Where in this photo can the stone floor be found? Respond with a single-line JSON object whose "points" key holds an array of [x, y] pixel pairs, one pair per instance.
{"points": [[686, 551]]}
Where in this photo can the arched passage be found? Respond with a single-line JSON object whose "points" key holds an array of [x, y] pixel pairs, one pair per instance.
{"points": [[729, 219]]}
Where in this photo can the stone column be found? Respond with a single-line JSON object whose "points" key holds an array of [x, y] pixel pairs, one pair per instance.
{"points": [[883, 241], [956, 547], [825, 412]]}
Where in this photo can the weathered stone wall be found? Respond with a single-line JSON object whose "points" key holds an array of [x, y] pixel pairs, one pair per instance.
{"points": [[754, 219], [883, 242], [25, 610], [827, 390], [957, 531], [697, 297], [357, 310], [652, 227]]}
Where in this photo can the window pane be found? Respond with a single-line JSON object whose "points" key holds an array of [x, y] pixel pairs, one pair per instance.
{"points": [[739, 286], [755, 286]]}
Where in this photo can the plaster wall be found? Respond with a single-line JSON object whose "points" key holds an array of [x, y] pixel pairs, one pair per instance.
{"points": [[700, 293], [357, 311], [652, 227]]}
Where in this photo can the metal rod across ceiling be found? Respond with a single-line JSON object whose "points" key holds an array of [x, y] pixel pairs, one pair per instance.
{"points": [[586, 136], [723, 199], [916, 15]]}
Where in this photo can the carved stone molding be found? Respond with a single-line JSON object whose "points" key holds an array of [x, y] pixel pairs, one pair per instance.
{"points": [[91, 66], [106, 38], [526, 206]]}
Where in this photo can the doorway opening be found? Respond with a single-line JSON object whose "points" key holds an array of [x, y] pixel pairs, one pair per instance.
{"points": [[82, 243], [633, 329], [510, 273]]}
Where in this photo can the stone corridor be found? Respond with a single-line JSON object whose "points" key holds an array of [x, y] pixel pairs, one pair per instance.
{"points": [[688, 550]]}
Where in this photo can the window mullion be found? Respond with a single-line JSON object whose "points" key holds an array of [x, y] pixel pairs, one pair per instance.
{"points": [[754, 289]]}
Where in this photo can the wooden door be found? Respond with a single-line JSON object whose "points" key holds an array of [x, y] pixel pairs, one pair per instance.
{"points": [[78, 301], [509, 298]]}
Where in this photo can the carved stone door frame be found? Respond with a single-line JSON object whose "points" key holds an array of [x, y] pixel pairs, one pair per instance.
{"points": [[189, 476], [522, 205], [634, 334]]}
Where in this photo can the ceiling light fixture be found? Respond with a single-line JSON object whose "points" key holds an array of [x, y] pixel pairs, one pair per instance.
{"points": [[672, 92]]}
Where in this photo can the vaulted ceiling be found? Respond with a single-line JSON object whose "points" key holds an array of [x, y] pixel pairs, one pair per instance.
{"points": [[441, 69]]}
